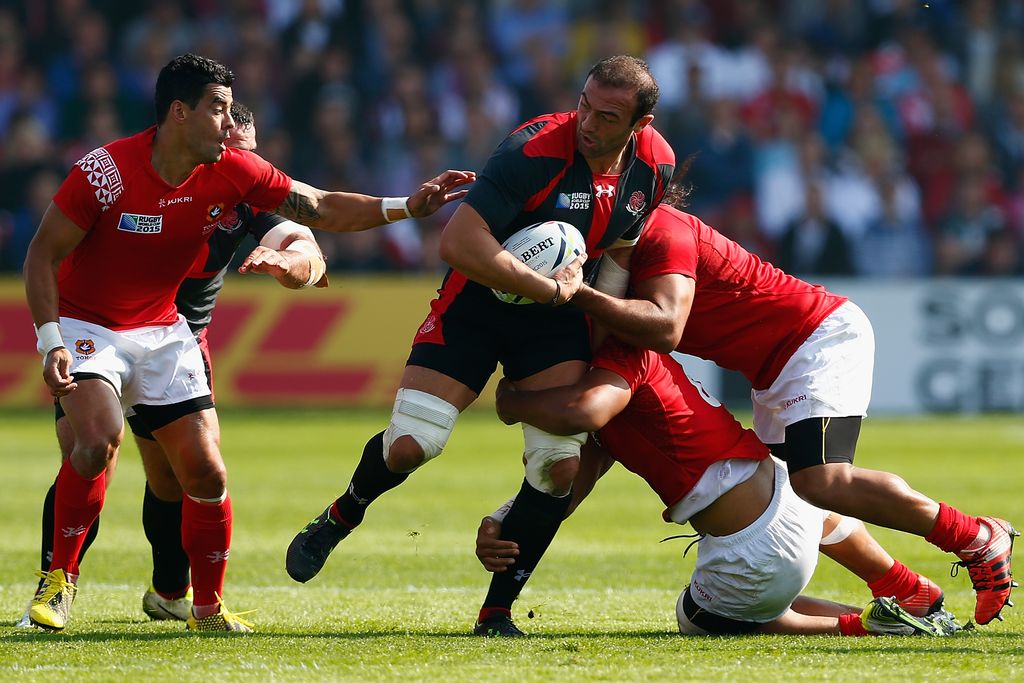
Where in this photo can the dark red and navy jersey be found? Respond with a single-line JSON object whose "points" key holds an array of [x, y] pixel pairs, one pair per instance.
{"points": [[197, 295], [538, 175]]}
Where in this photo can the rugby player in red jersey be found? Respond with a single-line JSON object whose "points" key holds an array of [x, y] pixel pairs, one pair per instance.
{"points": [[758, 540], [288, 252], [601, 168], [123, 232], [808, 355]]}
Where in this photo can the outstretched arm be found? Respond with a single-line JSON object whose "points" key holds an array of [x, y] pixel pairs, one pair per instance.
{"points": [[352, 212]]}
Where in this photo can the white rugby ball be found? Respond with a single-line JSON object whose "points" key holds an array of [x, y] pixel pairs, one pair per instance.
{"points": [[546, 248]]}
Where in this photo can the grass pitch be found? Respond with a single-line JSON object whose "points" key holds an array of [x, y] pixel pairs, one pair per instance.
{"points": [[397, 599]]}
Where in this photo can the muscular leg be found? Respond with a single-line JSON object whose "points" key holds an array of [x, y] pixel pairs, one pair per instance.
{"points": [[192, 445], [161, 520], [535, 516], [94, 414]]}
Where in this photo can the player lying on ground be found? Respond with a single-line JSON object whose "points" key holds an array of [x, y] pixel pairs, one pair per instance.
{"points": [[600, 168], [758, 540], [286, 251], [140, 210], [809, 356]]}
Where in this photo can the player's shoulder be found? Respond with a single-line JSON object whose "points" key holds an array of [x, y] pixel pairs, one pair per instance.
{"points": [[653, 148], [545, 135], [666, 221], [123, 153]]}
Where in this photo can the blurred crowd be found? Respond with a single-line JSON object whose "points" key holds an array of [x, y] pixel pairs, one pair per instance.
{"points": [[835, 137]]}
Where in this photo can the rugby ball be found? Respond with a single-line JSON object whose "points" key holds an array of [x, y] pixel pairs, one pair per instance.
{"points": [[546, 248]]}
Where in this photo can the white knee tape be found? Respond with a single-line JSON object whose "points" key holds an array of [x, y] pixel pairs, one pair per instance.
{"points": [[426, 418], [846, 526], [542, 450]]}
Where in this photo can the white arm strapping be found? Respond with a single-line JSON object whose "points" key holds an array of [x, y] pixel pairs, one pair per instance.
{"points": [[612, 279], [276, 236], [48, 338]]}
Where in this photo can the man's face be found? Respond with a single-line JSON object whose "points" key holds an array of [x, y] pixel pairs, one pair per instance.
{"points": [[242, 137], [209, 124], [603, 125]]}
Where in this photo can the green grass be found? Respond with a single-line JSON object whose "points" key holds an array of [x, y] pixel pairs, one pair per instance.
{"points": [[398, 598]]}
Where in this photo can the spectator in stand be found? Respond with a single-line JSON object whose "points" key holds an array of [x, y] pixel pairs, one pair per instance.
{"points": [[893, 245], [967, 230], [813, 244]]}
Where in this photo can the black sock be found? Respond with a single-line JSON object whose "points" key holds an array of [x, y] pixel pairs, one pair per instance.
{"points": [[46, 538], [161, 520], [371, 479], [532, 522]]}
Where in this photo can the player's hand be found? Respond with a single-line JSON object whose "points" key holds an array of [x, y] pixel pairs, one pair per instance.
{"points": [[570, 279], [57, 372], [437, 192], [267, 261], [494, 554], [505, 387]]}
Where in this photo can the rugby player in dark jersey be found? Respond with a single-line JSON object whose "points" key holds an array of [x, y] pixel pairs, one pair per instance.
{"points": [[288, 252], [601, 168]]}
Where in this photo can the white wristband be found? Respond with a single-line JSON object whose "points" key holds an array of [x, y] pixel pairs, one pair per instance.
{"points": [[48, 338], [317, 266], [399, 203]]}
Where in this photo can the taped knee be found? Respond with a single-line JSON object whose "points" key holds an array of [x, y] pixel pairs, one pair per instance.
{"points": [[842, 531], [428, 419], [542, 451]]}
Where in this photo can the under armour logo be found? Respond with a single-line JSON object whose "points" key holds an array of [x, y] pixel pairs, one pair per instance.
{"points": [[352, 492], [522, 575], [218, 556], [72, 531], [604, 191]]}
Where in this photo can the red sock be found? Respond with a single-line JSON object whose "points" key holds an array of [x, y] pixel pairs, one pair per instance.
{"points": [[899, 582], [850, 625], [953, 529], [76, 505], [488, 612], [206, 537]]}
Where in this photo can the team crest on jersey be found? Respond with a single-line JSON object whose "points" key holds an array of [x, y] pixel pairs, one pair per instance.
{"points": [[85, 347], [637, 203], [140, 223], [214, 212], [429, 324], [573, 201]]}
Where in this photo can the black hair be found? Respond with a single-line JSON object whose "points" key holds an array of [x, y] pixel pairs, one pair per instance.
{"points": [[677, 194], [626, 71], [185, 78], [241, 114]]}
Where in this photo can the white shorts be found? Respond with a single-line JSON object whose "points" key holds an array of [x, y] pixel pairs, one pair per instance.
{"points": [[829, 375], [156, 366], [755, 574]]}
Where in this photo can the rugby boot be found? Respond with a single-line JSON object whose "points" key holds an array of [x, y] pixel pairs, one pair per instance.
{"points": [[497, 626], [310, 548], [885, 617], [926, 599], [221, 621], [159, 608], [51, 606], [990, 570]]}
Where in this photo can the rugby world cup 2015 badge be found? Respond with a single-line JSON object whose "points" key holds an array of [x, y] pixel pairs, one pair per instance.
{"points": [[141, 224]]}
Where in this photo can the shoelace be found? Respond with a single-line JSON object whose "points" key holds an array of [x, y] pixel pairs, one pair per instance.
{"points": [[51, 579], [695, 536], [228, 615]]}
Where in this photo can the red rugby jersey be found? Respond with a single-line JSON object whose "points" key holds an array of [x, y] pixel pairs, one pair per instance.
{"points": [[143, 235], [669, 433], [747, 315]]}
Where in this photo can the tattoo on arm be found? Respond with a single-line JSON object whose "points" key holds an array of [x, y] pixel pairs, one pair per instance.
{"points": [[302, 204]]}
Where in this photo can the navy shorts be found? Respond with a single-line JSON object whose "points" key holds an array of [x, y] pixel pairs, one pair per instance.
{"points": [[469, 332]]}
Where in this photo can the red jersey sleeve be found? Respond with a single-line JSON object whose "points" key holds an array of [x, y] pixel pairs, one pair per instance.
{"points": [[78, 200], [628, 362], [263, 185], [667, 246]]}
